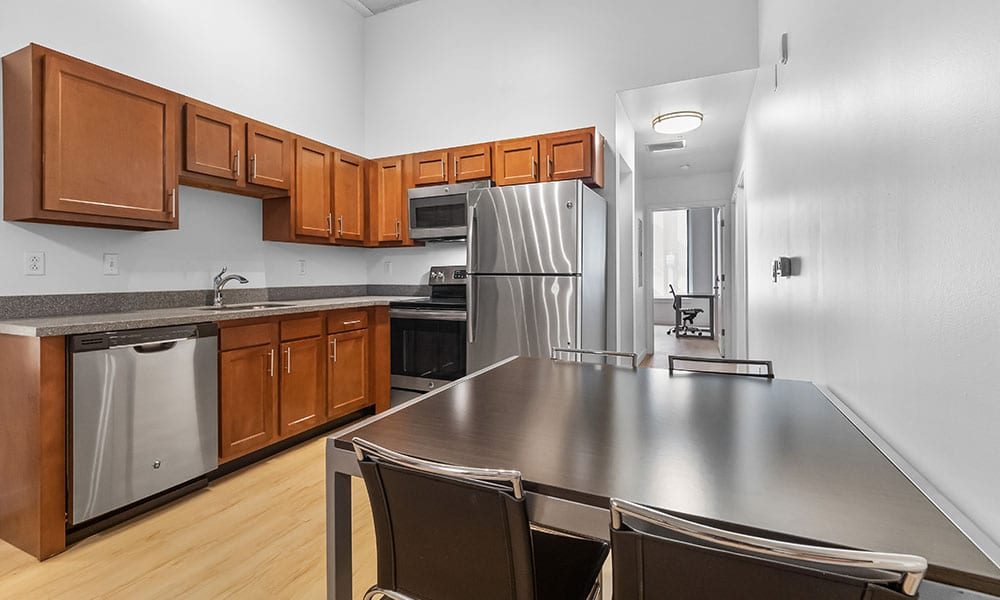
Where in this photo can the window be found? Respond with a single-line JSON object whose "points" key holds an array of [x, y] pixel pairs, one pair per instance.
{"points": [[670, 252]]}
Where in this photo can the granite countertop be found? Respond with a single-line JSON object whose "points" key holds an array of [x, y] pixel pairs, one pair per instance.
{"points": [[92, 323]]}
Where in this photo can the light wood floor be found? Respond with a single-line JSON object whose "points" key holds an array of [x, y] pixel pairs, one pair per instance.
{"points": [[666, 344], [258, 533]]}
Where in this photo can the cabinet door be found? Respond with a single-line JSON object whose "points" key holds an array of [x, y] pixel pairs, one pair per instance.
{"points": [[109, 143], [568, 156], [388, 200], [213, 142], [348, 196], [347, 383], [247, 391], [472, 162], [269, 157], [516, 161], [430, 167], [313, 186], [300, 402]]}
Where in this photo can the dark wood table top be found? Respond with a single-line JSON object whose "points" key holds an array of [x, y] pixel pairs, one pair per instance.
{"points": [[775, 455]]}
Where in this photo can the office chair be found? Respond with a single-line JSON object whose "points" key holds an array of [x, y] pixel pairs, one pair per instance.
{"points": [[664, 556], [445, 532], [688, 315]]}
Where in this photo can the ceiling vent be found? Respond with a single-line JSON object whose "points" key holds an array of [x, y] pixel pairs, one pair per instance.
{"points": [[665, 146]]}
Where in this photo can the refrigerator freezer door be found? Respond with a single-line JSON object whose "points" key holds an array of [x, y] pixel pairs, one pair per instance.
{"points": [[523, 316], [525, 229]]}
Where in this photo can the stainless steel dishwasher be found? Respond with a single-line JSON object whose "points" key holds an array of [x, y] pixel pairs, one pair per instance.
{"points": [[145, 414]]}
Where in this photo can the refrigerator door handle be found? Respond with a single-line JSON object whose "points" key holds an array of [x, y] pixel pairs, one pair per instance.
{"points": [[472, 319], [473, 243]]}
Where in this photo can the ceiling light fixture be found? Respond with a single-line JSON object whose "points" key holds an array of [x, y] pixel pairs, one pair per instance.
{"points": [[685, 166], [678, 122]]}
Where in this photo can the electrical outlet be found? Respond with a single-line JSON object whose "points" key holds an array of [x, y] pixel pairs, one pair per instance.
{"points": [[387, 266], [34, 263], [110, 264], [302, 266]]}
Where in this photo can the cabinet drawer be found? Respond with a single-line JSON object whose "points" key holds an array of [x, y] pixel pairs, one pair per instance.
{"points": [[294, 329], [347, 320], [245, 336]]}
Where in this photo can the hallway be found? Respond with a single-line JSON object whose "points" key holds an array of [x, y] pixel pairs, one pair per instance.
{"points": [[666, 344]]}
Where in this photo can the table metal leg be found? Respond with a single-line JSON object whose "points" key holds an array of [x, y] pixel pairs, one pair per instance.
{"points": [[338, 534]]}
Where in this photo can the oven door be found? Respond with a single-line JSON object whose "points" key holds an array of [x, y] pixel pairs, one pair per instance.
{"points": [[428, 347]]}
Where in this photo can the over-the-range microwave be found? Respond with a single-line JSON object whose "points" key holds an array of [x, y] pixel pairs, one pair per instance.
{"points": [[440, 212]]}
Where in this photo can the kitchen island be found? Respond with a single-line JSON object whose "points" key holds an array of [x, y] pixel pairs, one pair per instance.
{"points": [[770, 455]]}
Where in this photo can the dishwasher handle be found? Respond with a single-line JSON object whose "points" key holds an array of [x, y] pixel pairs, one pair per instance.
{"points": [[154, 347]]}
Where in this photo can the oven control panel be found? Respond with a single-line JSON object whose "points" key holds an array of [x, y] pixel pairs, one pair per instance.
{"points": [[451, 275]]}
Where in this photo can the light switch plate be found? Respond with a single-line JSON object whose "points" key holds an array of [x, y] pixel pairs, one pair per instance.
{"points": [[302, 266], [110, 264], [34, 263]]}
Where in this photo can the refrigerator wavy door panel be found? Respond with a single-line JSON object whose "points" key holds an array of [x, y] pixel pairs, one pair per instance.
{"points": [[523, 229], [521, 316]]}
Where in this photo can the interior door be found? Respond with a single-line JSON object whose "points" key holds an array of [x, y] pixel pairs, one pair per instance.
{"points": [[522, 316], [525, 229], [719, 248], [109, 143]]}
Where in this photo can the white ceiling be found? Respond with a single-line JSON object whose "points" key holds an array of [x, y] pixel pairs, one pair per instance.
{"points": [[711, 148], [373, 7]]}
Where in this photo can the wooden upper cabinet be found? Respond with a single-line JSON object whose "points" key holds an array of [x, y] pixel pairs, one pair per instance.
{"points": [[347, 373], [87, 146], [430, 168], [348, 196], [568, 156], [269, 156], [313, 187], [247, 395], [303, 378], [387, 197], [516, 161], [213, 142], [472, 162]]}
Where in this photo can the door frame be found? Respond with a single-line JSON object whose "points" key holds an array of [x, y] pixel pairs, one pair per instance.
{"points": [[647, 290], [739, 302]]}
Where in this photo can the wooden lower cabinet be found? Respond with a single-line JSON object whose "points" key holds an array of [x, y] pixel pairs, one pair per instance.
{"points": [[347, 373], [303, 374], [248, 387]]}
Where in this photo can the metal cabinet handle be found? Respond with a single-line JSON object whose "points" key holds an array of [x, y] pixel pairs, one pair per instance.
{"points": [[173, 203], [236, 164], [288, 360], [456, 169], [333, 349], [399, 229], [253, 167], [340, 225], [270, 362], [354, 322], [329, 224], [550, 166], [534, 167]]}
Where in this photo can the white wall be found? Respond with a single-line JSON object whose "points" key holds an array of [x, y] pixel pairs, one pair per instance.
{"points": [[701, 270], [411, 266], [297, 64], [875, 162]]}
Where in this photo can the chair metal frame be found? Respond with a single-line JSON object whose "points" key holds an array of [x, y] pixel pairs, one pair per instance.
{"points": [[910, 568], [721, 361], [605, 353]]}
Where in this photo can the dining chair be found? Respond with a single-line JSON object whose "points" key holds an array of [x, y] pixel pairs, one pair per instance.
{"points": [[718, 366], [446, 532], [632, 356], [664, 556]]}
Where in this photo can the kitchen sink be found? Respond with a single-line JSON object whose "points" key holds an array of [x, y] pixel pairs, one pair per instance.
{"points": [[252, 306]]}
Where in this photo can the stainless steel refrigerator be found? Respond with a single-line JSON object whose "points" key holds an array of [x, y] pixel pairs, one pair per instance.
{"points": [[536, 259]]}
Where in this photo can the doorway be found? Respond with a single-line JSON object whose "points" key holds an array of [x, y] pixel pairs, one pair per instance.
{"points": [[688, 257]]}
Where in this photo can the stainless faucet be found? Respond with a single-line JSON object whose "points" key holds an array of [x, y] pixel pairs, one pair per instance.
{"points": [[220, 282]]}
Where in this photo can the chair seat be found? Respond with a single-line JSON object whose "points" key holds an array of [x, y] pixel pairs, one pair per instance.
{"points": [[566, 567], [692, 311]]}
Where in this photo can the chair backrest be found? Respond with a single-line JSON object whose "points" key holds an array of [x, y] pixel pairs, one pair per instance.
{"points": [[443, 531], [632, 356], [677, 301], [666, 556], [721, 366]]}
